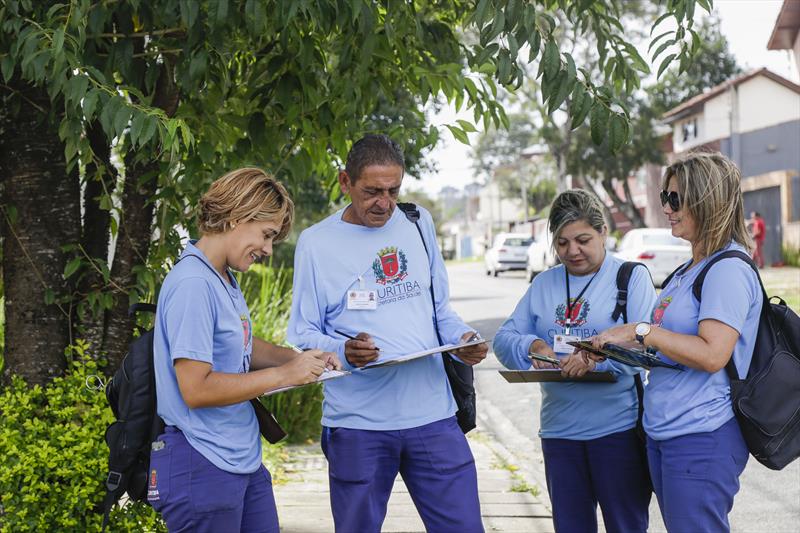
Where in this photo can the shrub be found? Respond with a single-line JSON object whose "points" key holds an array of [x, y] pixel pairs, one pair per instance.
{"points": [[269, 296], [55, 457]]}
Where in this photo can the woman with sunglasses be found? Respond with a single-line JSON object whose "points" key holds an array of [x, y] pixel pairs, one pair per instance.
{"points": [[695, 448], [592, 453]]}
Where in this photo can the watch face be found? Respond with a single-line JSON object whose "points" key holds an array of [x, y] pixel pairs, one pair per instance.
{"points": [[642, 328]]}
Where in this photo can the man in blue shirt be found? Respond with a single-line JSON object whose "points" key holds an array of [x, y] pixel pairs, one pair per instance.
{"points": [[364, 273]]}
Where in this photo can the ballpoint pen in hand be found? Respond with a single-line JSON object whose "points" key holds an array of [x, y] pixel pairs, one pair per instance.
{"points": [[543, 358], [343, 334], [293, 347]]}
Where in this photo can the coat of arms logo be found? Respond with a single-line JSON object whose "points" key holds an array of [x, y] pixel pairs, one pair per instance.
{"points": [[391, 265], [658, 313], [578, 313]]}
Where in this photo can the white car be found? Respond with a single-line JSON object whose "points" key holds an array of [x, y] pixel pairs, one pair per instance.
{"points": [[509, 252], [540, 255], [657, 249]]}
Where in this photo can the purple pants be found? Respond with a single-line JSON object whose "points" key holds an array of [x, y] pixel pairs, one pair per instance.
{"points": [[434, 460], [696, 476], [609, 470], [194, 495]]}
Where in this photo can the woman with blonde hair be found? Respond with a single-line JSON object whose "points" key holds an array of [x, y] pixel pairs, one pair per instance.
{"points": [[592, 453], [205, 469], [695, 448]]}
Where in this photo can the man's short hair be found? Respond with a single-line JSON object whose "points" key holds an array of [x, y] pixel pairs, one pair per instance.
{"points": [[373, 149]]}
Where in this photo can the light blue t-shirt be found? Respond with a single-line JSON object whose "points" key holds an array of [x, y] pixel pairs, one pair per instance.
{"points": [[330, 258], [679, 403], [203, 318], [578, 411]]}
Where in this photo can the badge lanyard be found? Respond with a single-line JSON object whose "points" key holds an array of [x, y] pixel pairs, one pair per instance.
{"points": [[570, 306]]}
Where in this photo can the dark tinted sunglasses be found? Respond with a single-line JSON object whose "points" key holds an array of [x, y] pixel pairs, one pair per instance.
{"points": [[673, 198]]}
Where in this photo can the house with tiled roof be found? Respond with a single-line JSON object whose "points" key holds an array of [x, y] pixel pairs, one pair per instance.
{"points": [[755, 120]]}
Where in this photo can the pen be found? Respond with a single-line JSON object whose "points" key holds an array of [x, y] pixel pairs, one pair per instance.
{"points": [[543, 358], [293, 347], [343, 334]]}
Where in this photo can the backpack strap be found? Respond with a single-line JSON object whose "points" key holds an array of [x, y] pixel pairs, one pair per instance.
{"points": [[412, 214], [621, 309], [697, 291], [672, 274], [623, 279]]}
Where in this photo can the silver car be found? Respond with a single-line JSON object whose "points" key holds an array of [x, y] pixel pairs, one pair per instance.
{"points": [[509, 252]]}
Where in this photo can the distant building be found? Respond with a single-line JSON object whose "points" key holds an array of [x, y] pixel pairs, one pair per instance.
{"points": [[755, 120], [786, 33]]}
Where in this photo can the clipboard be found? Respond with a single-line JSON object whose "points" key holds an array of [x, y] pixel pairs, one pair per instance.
{"points": [[553, 375], [626, 356], [424, 353], [325, 376]]}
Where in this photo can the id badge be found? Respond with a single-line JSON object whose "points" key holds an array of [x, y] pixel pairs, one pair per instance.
{"points": [[362, 300], [560, 343]]}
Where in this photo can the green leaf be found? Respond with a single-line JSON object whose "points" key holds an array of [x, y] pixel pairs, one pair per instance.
{"points": [[58, 41], [189, 12], [458, 134], [49, 296], [480, 13], [665, 64], [90, 103], [656, 39], [7, 67], [599, 122], [534, 41], [148, 129], [662, 47], [659, 20], [136, 126], [121, 119], [617, 132], [551, 59], [71, 267], [466, 125], [583, 112]]}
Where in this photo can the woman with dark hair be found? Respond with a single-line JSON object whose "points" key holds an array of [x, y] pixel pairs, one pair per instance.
{"points": [[694, 446], [592, 453]]}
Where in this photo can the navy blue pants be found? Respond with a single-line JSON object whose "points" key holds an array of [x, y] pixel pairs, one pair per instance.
{"points": [[194, 495], [609, 470], [434, 460], [696, 477]]}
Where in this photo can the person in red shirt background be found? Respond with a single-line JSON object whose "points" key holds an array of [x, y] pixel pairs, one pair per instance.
{"points": [[758, 229]]}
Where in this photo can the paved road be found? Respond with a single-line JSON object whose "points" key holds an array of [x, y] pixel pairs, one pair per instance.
{"points": [[768, 501]]}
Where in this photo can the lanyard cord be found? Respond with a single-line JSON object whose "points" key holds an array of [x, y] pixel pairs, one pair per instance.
{"points": [[570, 305]]}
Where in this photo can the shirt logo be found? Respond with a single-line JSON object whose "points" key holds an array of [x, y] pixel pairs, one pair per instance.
{"points": [[578, 312], [391, 266], [658, 313]]}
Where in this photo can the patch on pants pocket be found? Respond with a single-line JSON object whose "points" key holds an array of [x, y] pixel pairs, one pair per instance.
{"points": [[158, 475]]}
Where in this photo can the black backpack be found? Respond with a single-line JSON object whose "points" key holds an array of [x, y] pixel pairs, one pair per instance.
{"points": [[131, 393], [460, 376], [767, 400]]}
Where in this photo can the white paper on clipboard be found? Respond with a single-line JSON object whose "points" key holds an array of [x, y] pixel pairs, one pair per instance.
{"points": [[325, 376], [418, 355]]}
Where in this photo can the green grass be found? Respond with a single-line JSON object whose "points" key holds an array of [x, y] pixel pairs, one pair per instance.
{"points": [[518, 482]]}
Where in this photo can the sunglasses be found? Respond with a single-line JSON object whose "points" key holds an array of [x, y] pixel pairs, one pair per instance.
{"points": [[671, 197]]}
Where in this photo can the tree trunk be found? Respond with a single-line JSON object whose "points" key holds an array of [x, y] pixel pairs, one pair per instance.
{"points": [[635, 215], [100, 179], [40, 213], [135, 230]]}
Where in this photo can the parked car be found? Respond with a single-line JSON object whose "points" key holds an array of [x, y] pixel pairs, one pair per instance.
{"points": [[657, 249], [509, 252], [540, 255]]}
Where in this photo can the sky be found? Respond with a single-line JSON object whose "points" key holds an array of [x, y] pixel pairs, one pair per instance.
{"points": [[747, 24]]}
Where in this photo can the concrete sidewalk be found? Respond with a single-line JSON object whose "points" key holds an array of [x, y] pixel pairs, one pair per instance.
{"points": [[507, 493]]}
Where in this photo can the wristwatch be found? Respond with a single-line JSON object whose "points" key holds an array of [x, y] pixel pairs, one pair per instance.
{"points": [[642, 330]]}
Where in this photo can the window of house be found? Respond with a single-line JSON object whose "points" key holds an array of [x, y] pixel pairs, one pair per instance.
{"points": [[689, 129]]}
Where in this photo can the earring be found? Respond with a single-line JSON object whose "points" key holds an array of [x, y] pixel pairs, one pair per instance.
{"points": [[233, 225]]}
